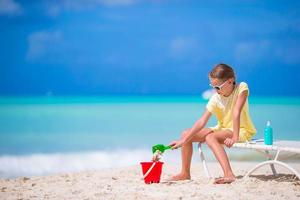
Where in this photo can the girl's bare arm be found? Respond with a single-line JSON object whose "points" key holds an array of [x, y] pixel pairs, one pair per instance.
{"points": [[236, 118]]}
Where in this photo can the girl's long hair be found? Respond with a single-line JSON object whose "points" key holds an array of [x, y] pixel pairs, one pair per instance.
{"points": [[223, 72]]}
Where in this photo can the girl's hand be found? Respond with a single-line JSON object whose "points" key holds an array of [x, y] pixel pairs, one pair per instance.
{"points": [[176, 144], [229, 142]]}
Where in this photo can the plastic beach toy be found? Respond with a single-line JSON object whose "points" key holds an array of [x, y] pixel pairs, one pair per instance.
{"points": [[151, 171], [160, 147]]}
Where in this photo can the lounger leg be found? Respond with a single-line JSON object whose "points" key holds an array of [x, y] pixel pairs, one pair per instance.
{"points": [[273, 162], [273, 169], [203, 161], [271, 165]]}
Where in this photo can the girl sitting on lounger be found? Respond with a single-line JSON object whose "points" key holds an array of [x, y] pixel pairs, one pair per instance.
{"points": [[230, 106]]}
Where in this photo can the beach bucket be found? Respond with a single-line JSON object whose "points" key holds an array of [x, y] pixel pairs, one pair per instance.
{"points": [[151, 171]]}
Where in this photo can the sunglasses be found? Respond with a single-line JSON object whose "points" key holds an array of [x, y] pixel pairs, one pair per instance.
{"points": [[219, 87]]}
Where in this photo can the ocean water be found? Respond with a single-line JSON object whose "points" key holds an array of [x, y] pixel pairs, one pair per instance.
{"points": [[47, 135]]}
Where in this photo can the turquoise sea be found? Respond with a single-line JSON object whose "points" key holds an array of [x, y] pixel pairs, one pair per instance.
{"points": [[46, 135]]}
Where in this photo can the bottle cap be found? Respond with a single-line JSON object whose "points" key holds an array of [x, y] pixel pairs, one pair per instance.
{"points": [[268, 123]]}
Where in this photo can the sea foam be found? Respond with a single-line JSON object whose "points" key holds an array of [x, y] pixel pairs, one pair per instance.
{"points": [[12, 166]]}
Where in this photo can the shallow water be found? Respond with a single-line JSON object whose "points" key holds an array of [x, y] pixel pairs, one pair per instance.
{"points": [[46, 131]]}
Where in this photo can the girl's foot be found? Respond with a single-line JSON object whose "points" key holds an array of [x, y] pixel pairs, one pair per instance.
{"points": [[224, 180], [180, 177]]}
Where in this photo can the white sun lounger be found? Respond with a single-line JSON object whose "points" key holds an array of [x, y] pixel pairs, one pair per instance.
{"points": [[280, 147]]}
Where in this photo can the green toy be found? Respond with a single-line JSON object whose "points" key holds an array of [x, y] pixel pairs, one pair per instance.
{"points": [[160, 147]]}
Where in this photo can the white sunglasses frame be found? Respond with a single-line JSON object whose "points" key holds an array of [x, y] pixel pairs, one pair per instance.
{"points": [[219, 87]]}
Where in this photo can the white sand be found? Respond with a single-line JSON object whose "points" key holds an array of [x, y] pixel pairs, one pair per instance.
{"points": [[126, 183]]}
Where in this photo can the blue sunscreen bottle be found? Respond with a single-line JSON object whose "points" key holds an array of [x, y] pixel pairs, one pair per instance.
{"points": [[268, 134]]}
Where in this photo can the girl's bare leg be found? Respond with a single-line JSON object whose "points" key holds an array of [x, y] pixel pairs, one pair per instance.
{"points": [[215, 141], [187, 152]]}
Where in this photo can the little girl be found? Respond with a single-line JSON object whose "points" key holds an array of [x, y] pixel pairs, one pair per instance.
{"points": [[230, 106]]}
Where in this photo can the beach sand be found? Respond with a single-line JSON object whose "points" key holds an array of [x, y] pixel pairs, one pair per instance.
{"points": [[126, 183]]}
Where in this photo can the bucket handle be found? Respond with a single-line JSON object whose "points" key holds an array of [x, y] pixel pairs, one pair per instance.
{"points": [[149, 170]]}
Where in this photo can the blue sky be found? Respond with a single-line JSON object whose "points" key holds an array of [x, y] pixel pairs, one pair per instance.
{"points": [[96, 47]]}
